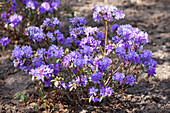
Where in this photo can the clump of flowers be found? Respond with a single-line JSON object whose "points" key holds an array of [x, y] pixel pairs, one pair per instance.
{"points": [[4, 41], [86, 62], [17, 15]]}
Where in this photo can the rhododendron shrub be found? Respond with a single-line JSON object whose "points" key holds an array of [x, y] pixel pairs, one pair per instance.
{"points": [[16, 15], [86, 62]]}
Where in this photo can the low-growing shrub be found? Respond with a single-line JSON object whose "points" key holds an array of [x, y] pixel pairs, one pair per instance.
{"points": [[16, 15], [87, 62]]}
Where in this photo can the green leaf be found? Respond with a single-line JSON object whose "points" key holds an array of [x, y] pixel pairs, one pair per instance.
{"points": [[25, 99], [22, 98], [100, 99], [44, 104], [33, 77], [90, 98], [24, 92], [41, 93], [148, 77], [147, 67], [71, 88], [56, 83], [132, 64], [44, 96], [16, 95]]}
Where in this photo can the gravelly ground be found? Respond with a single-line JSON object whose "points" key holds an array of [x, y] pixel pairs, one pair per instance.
{"points": [[152, 16]]}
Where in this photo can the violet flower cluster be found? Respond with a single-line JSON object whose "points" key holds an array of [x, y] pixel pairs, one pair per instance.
{"points": [[83, 60], [17, 13], [4, 41]]}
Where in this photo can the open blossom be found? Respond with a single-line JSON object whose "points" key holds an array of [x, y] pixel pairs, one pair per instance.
{"points": [[106, 91], [107, 13], [96, 77], [4, 41], [30, 4], [46, 5], [4, 16], [90, 31], [83, 82], [76, 32], [114, 26], [119, 77], [35, 33], [15, 20], [23, 52], [119, 14], [55, 4], [93, 91], [54, 51], [130, 80], [104, 64], [41, 72], [109, 48], [78, 21], [60, 36], [52, 22]]}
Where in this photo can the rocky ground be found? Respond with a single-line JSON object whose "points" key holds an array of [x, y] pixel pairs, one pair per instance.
{"points": [[149, 96]]}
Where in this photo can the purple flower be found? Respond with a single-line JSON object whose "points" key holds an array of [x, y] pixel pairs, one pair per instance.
{"points": [[116, 39], [15, 20], [55, 4], [107, 13], [24, 51], [30, 4], [24, 1], [109, 91], [89, 41], [60, 36], [17, 52], [95, 99], [53, 22], [83, 81], [42, 72], [41, 10], [55, 52], [41, 53], [68, 41], [35, 33], [78, 21], [120, 50], [134, 57], [50, 35], [87, 50], [27, 51], [151, 64], [119, 77], [76, 32], [119, 14], [93, 91], [113, 27], [4, 41], [130, 80], [70, 57], [96, 77], [46, 5], [109, 48], [101, 36], [79, 62], [4, 16], [90, 31], [37, 62], [104, 64]]}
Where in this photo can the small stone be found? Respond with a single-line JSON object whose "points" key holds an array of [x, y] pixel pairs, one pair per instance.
{"points": [[1, 82], [84, 111]]}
